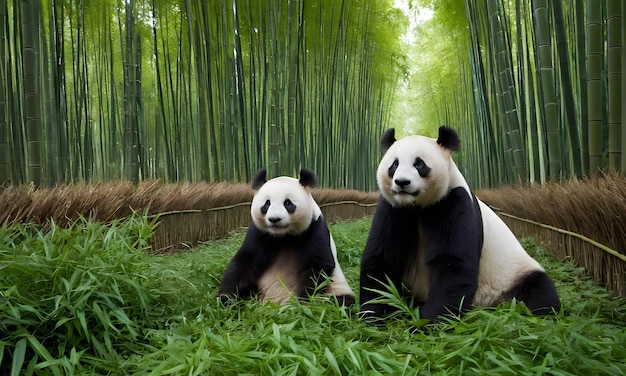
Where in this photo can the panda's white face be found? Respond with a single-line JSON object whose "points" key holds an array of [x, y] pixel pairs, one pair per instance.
{"points": [[415, 171], [282, 206]]}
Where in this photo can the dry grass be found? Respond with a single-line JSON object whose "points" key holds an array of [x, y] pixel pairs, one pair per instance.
{"points": [[188, 212], [594, 207]]}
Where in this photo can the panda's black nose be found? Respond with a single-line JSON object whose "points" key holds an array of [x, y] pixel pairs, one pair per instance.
{"points": [[402, 182], [274, 219]]}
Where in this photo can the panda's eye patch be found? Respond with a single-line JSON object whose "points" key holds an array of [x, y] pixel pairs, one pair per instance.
{"points": [[290, 206], [421, 167], [265, 207], [393, 168]]}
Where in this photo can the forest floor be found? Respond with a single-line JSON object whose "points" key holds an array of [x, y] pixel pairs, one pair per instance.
{"points": [[89, 299]]}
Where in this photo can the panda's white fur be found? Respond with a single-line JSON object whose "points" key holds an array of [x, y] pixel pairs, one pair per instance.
{"points": [[277, 220], [420, 192], [287, 245], [502, 260], [431, 233]]}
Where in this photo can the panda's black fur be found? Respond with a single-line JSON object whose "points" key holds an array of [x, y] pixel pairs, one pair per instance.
{"points": [[275, 264], [431, 241]]}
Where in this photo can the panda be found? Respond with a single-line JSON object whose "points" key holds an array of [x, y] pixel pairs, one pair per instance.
{"points": [[288, 249], [432, 235]]}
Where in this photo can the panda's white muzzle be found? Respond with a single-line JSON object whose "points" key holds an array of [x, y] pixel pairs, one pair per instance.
{"points": [[404, 187]]}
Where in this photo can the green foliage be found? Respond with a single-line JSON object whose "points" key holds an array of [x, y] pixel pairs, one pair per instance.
{"points": [[438, 66], [88, 299], [71, 296]]}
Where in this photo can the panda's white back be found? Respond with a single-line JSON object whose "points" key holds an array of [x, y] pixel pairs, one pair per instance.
{"points": [[503, 260]]}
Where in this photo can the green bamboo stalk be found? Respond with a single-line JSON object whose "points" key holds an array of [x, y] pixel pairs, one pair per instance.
{"points": [[623, 161], [199, 52], [115, 159], [594, 48], [254, 77], [614, 81], [581, 70], [14, 100], [276, 119], [131, 136], [87, 141], [505, 87], [244, 166], [32, 95], [541, 16], [140, 130], [162, 137], [75, 121], [5, 153], [528, 85], [303, 144], [567, 87], [488, 145], [100, 67], [50, 116]]}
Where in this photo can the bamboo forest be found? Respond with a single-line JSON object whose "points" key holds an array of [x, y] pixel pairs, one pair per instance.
{"points": [[194, 90]]}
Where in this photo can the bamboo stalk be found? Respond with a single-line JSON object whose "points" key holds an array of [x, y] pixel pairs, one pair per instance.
{"points": [[614, 82], [594, 83]]}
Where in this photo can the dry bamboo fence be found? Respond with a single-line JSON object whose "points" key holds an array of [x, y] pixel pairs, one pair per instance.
{"points": [[582, 220], [604, 265], [184, 229], [187, 213]]}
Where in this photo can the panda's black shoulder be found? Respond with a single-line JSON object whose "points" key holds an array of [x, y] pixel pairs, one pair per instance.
{"points": [[318, 229], [460, 210], [456, 203], [391, 224]]}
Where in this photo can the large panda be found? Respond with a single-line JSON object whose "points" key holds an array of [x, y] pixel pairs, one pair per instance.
{"points": [[430, 233], [288, 249]]}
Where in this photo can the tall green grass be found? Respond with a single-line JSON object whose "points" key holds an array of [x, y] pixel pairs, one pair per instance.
{"points": [[89, 300]]}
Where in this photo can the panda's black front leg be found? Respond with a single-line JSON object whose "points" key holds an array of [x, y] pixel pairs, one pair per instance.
{"points": [[312, 278], [385, 256], [453, 285], [244, 269], [239, 281], [371, 283], [316, 258], [316, 269], [453, 249], [379, 271]]}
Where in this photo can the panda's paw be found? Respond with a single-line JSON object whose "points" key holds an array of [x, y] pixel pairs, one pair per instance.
{"points": [[227, 299]]}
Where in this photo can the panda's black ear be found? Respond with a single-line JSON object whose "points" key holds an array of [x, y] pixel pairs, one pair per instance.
{"points": [[448, 138], [308, 178], [389, 137], [259, 179]]}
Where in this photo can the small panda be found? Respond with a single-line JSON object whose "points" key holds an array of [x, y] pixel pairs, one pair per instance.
{"points": [[430, 233], [288, 249]]}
